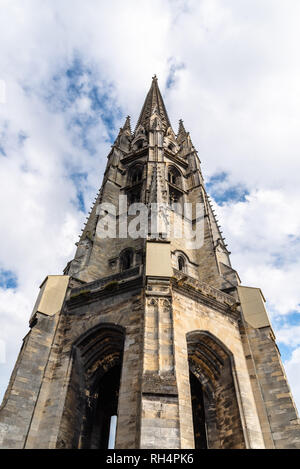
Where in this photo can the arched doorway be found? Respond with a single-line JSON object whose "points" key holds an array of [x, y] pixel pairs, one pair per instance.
{"points": [[216, 413], [91, 406], [102, 412]]}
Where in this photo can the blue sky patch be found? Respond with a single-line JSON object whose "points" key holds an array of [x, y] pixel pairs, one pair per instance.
{"points": [[172, 75], [285, 351], [80, 201], [3, 136], [222, 191], [292, 319], [81, 82], [281, 322], [79, 180], [8, 279]]}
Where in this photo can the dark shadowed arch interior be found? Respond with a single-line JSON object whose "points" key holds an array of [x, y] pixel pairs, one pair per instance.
{"points": [[175, 188], [181, 263], [93, 392], [126, 259], [174, 176], [136, 173], [216, 414], [198, 413]]}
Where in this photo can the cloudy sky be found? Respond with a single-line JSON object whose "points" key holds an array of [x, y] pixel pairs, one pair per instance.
{"points": [[71, 71]]}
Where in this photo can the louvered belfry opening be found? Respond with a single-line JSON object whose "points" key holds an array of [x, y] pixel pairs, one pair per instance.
{"points": [[216, 414]]}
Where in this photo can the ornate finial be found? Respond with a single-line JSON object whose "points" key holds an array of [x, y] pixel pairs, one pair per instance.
{"points": [[181, 126], [154, 78], [123, 139], [182, 134], [127, 124]]}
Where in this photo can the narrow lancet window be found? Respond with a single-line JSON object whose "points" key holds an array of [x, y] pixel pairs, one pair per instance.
{"points": [[126, 260], [181, 263], [136, 175]]}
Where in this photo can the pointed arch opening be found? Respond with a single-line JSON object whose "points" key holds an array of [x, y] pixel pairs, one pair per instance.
{"points": [[174, 176], [126, 259], [181, 263], [91, 406], [134, 180], [216, 414], [136, 174], [175, 189], [139, 144], [140, 139]]}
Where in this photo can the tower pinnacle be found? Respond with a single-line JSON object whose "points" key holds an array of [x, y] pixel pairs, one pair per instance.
{"points": [[153, 101], [182, 133], [127, 126]]}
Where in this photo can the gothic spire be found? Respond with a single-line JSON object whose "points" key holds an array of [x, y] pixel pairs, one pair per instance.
{"points": [[153, 102], [182, 133], [124, 136], [127, 127]]}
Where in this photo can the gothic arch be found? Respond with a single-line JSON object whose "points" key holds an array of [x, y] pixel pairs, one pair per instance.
{"points": [[140, 139], [135, 174], [181, 263], [181, 260], [190, 267], [92, 395], [216, 413], [175, 188], [174, 175], [126, 259], [134, 183]]}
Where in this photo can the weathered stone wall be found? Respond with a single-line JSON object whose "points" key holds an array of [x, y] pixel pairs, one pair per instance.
{"points": [[279, 418], [160, 413], [154, 401], [192, 314], [23, 392], [228, 414], [43, 404], [160, 422], [60, 395]]}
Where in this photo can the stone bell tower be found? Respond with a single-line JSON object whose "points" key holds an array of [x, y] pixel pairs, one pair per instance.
{"points": [[148, 340]]}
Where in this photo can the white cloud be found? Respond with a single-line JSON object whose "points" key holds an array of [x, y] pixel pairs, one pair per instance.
{"points": [[235, 84], [289, 335], [263, 233]]}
